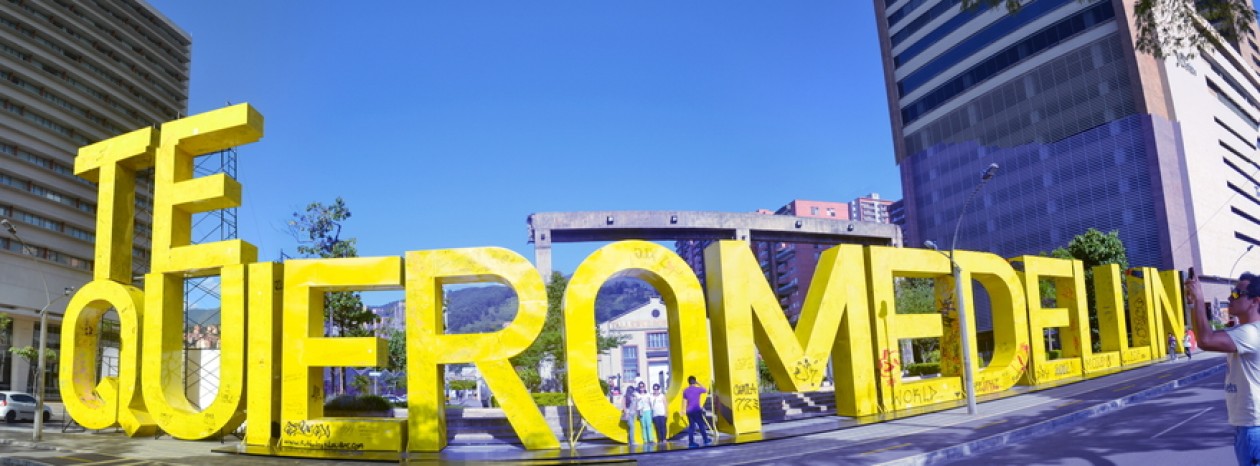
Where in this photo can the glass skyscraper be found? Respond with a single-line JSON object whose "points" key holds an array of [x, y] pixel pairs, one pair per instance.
{"points": [[1087, 131]]}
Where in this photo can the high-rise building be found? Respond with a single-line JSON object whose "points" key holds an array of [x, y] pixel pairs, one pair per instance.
{"points": [[1087, 131], [788, 267], [897, 214], [871, 208], [71, 73]]}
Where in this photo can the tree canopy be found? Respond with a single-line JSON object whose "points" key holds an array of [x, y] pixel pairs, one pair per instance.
{"points": [[318, 233], [1169, 28]]}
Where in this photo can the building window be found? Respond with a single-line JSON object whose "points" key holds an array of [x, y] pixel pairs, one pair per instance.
{"points": [[813, 210], [629, 363], [831, 212], [658, 340]]}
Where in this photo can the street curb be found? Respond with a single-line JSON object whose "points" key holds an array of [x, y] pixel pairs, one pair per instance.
{"points": [[974, 447]]}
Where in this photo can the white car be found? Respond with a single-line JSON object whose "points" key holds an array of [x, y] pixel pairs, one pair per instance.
{"points": [[16, 406]]}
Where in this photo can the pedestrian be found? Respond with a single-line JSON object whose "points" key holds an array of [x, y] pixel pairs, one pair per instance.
{"points": [[695, 413], [1188, 344], [1172, 347], [645, 414], [658, 413], [1242, 345], [629, 411]]}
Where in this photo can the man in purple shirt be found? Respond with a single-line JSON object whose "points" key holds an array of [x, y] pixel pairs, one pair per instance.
{"points": [[695, 413]]}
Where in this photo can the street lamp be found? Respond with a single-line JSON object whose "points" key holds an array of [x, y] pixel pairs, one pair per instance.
{"points": [[43, 336], [40, 368], [1240, 258], [968, 373]]}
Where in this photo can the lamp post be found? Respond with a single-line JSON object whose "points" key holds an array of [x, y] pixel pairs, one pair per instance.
{"points": [[968, 372], [40, 376], [40, 368], [1240, 258]]}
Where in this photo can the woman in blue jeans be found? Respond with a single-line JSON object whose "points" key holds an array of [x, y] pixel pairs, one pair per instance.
{"points": [[645, 414]]}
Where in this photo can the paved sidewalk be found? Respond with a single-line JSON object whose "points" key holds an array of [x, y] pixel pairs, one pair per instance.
{"points": [[923, 439]]}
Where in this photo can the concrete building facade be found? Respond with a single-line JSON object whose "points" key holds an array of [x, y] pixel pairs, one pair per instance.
{"points": [[71, 73], [645, 354], [1087, 132], [789, 265], [871, 208]]}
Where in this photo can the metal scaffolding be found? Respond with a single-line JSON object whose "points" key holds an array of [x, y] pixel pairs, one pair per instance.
{"points": [[202, 298]]}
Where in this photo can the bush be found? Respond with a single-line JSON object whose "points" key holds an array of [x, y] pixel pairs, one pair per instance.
{"points": [[463, 385], [359, 403], [530, 377], [603, 385], [932, 356], [924, 368], [1053, 354], [550, 399]]}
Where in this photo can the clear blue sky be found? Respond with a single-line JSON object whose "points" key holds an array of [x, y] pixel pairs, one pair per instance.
{"points": [[444, 124]]}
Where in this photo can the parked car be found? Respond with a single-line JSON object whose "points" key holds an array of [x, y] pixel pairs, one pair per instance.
{"points": [[16, 406]]}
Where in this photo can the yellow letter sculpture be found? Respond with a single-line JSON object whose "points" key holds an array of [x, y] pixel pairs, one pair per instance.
{"points": [[858, 331], [177, 196], [1112, 327], [429, 348], [112, 163], [1146, 342], [307, 352], [689, 336], [885, 265], [1010, 322], [115, 400], [1069, 316], [263, 379], [834, 323]]}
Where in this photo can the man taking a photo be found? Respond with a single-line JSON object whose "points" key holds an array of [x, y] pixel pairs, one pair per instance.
{"points": [[1242, 343]]}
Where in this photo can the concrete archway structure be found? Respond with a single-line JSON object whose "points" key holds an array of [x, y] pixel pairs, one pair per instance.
{"points": [[546, 228]]}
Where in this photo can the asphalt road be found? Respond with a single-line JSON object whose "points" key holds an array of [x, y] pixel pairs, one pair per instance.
{"points": [[1182, 427]]}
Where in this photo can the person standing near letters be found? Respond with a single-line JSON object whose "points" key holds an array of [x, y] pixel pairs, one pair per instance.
{"points": [[1242, 345], [645, 414], [695, 413], [629, 412], [1188, 344], [1172, 347], [658, 413]]}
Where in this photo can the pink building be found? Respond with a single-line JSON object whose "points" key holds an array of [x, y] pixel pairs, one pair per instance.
{"points": [[871, 209]]}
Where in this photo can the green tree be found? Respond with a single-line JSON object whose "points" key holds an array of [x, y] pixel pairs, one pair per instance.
{"points": [[1093, 248], [30, 354], [397, 350], [1168, 27], [363, 384], [318, 233], [550, 342], [917, 296]]}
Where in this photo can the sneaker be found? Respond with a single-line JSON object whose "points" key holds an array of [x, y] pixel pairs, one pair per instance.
{"points": [[693, 445], [708, 442]]}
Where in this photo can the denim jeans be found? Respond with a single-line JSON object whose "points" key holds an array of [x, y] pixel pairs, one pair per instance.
{"points": [[697, 421], [645, 421], [1247, 445]]}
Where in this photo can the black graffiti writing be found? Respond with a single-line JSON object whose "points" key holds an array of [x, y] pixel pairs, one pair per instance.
{"points": [[307, 429]]}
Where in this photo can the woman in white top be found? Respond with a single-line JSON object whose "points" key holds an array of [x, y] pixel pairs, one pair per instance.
{"points": [[645, 414], [658, 413]]}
